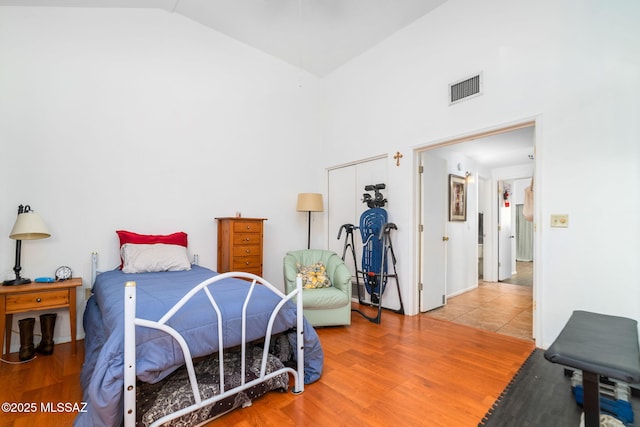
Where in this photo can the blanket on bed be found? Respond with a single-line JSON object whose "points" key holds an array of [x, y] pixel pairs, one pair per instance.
{"points": [[174, 392], [157, 354]]}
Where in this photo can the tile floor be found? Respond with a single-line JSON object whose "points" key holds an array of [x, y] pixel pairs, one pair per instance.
{"points": [[505, 308]]}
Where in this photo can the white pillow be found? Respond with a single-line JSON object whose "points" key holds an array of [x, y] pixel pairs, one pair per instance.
{"points": [[142, 258]]}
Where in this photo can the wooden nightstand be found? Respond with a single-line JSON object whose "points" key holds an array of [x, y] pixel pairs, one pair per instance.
{"points": [[38, 296]]}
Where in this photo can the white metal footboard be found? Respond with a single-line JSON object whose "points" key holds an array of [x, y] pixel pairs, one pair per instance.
{"points": [[130, 322]]}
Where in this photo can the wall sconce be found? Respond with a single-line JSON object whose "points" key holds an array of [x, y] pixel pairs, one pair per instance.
{"points": [[309, 202], [469, 177], [28, 226]]}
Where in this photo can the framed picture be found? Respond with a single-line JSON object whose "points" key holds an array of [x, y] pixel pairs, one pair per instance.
{"points": [[457, 198]]}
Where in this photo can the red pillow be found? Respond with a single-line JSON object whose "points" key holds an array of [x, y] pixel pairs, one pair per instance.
{"points": [[179, 238]]}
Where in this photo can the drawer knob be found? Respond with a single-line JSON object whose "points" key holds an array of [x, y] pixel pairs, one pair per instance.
{"points": [[247, 251], [38, 299], [246, 263], [246, 239]]}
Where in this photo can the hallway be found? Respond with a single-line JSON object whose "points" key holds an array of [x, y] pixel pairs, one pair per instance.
{"points": [[524, 274], [501, 307]]}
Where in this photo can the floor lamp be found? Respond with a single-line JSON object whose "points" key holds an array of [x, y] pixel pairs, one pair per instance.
{"points": [[309, 202], [28, 226]]}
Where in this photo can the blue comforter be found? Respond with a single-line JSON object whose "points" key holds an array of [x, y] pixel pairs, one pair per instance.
{"points": [[157, 354]]}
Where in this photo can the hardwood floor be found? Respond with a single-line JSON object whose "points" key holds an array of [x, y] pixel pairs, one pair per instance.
{"points": [[411, 370], [43, 383]]}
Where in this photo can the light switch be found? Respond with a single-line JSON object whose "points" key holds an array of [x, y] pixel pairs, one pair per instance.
{"points": [[560, 220]]}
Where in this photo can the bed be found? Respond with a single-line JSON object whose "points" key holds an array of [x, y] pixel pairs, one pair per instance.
{"points": [[189, 302]]}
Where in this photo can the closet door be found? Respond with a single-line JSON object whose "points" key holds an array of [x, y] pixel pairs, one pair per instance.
{"points": [[345, 190], [341, 207]]}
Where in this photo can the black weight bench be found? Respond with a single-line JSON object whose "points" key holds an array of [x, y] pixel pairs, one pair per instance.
{"points": [[597, 344]]}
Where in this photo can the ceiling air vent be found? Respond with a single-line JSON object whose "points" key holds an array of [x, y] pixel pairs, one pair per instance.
{"points": [[465, 89]]}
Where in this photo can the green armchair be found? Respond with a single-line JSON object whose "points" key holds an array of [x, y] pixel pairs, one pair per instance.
{"points": [[323, 306]]}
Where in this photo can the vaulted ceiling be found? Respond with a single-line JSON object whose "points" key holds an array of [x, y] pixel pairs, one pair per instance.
{"points": [[316, 35]]}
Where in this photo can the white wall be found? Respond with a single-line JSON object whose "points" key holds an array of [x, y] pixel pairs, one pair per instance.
{"points": [[573, 66], [519, 186], [146, 121]]}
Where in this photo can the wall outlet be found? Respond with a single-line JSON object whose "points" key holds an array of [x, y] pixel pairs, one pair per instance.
{"points": [[560, 220]]}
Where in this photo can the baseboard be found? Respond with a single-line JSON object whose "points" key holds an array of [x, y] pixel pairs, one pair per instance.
{"points": [[463, 291]]}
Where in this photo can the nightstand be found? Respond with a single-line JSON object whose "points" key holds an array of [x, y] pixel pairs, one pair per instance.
{"points": [[38, 296]]}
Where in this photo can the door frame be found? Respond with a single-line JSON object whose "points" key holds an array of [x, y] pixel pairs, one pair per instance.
{"points": [[536, 123]]}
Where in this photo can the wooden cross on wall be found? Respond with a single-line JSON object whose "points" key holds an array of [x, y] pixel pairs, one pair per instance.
{"points": [[397, 158]]}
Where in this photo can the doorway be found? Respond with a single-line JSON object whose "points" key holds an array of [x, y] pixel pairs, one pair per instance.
{"points": [[485, 159], [522, 258]]}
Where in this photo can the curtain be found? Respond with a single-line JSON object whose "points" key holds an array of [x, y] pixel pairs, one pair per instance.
{"points": [[524, 236]]}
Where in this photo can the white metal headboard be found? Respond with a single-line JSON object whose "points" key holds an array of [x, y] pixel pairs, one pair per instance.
{"points": [[94, 267]]}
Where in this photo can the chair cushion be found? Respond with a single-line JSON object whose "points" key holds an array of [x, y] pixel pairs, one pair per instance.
{"points": [[324, 298]]}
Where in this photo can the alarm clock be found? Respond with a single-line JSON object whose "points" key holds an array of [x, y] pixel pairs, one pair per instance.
{"points": [[63, 273]]}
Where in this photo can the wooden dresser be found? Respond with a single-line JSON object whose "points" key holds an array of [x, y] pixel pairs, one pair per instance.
{"points": [[240, 244]]}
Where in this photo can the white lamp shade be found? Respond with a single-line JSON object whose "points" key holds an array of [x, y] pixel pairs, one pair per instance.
{"points": [[310, 202], [29, 226]]}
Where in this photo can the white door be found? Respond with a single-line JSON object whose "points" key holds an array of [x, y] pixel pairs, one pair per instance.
{"points": [[505, 237], [345, 193], [341, 208], [434, 232]]}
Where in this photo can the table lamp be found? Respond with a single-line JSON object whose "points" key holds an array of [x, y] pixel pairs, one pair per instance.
{"points": [[28, 226]]}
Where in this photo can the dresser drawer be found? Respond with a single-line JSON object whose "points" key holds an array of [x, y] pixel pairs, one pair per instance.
{"points": [[247, 250], [37, 300], [247, 238], [257, 271], [242, 263], [247, 226]]}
